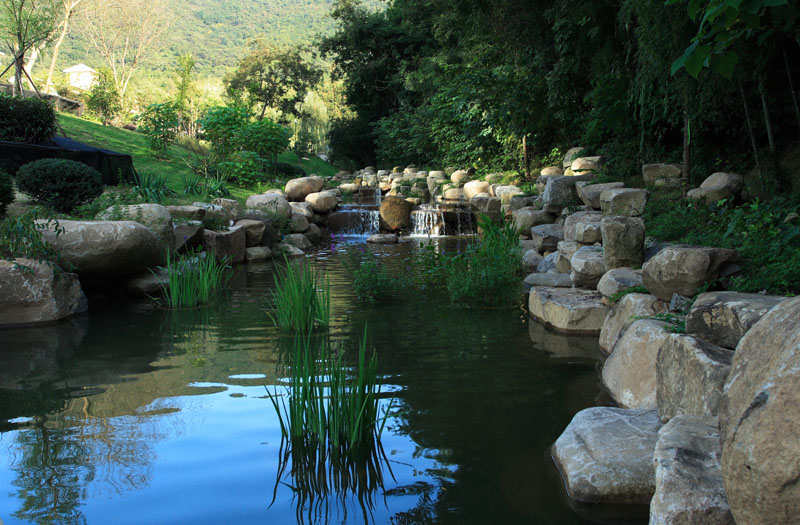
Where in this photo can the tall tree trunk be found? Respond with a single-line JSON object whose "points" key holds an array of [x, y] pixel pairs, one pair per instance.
{"points": [[18, 66], [784, 186], [685, 169], [525, 157], [48, 85], [752, 135], [791, 87], [29, 67]]}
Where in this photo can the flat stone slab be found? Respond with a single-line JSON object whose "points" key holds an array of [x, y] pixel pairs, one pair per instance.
{"points": [[605, 455], [689, 487], [547, 236], [568, 310], [550, 279]]}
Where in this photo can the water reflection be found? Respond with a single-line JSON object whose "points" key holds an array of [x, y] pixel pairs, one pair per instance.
{"points": [[137, 414]]}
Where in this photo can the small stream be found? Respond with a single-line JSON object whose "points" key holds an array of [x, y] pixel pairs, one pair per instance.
{"points": [[136, 414]]}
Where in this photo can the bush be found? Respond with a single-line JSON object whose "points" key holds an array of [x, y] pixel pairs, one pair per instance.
{"points": [[26, 119], [6, 191], [289, 170], [103, 99], [60, 184], [21, 237]]}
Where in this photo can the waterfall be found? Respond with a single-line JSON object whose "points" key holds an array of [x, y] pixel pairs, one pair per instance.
{"points": [[428, 220], [352, 220]]}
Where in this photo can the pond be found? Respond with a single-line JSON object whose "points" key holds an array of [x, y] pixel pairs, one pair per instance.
{"points": [[135, 414]]}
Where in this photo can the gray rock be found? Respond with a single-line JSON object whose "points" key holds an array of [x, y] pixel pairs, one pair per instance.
{"points": [[760, 420], [547, 236], [322, 202], [618, 280], [722, 318], [587, 267], [155, 217], [297, 240], [622, 316], [191, 213], [382, 238], [298, 189], [37, 295], [548, 263], [623, 241], [486, 204], [230, 245], [549, 279], [298, 224], [689, 487], [605, 455], [717, 187], [526, 218], [569, 311], [624, 201], [629, 373], [590, 193], [559, 193], [288, 250], [271, 203], [571, 155], [214, 211], [231, 206], [313, 234], [566, 249], [188, 236], [691, 376], [254, 231], [100, 250], [652, 173], [302, 208], [531, 259], [682, 269], [583, 227], [258, 253]]}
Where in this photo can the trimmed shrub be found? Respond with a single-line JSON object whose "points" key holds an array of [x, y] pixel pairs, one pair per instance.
{"points": [[59, 184], [289, 170], [6, 191], [23, 119]]}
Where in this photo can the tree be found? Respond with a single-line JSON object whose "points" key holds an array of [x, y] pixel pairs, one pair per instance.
{"points": [[125, 33], [104, 99], [23, 25], [273, 77], [69, 10]]}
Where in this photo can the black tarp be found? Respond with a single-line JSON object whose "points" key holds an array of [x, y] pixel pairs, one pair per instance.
{"points": [[113, 167]]}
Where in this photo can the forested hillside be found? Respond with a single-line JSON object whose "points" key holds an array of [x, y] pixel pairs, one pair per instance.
{"points": [[216, 32]]}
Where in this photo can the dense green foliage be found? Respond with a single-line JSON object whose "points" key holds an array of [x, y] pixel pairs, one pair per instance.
{"points": [[465, 83], [159, 122], [21, 237], [373, 282], [59, 184], [151, 187], [194, 279], [26, 119], [766, 234], [103, 99], [6, 191], [301, 300]]}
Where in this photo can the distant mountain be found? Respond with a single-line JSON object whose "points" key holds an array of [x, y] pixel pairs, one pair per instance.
{"points": [[216, 32]]}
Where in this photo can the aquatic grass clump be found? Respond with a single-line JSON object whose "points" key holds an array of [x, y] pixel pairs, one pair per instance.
{"points": [[331, 428], [301, 300], [194, 279]]}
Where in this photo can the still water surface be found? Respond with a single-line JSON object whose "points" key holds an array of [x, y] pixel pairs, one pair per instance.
{"points": [[139, 415]]}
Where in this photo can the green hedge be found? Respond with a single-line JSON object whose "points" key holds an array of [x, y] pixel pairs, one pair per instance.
{"points": [[59, 184], [23, 119], [6, 191]]}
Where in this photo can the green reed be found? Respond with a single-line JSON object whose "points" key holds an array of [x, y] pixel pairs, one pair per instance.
{"points": [[301, 300], [193, 279]]}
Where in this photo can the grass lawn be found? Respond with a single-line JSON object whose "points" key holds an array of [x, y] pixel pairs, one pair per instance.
{"points": [[135, 144]]}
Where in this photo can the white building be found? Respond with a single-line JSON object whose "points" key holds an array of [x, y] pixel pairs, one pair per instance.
{"points": [[81, 76]]}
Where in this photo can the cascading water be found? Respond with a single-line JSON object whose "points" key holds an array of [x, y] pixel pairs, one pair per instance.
{"points": [[427, 220], [355, 220]]}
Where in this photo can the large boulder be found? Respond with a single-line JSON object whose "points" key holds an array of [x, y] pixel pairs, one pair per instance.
{"points": [[302, 208], [484, 203], [629, 373], [605, 455], [581, 165], [570, 155], [106, 249], [662, 175], [190, 213], [590, 193], [587, 267], [506, 193], [298, 240], [459, 177], [188, 236], [549, 171], [298, 223], [298, 189], [531, 259], [717, 187], [623, 314], [566, 249], [156, 217], [760, 420], [547, 236], [691, 375], [32, 293], [618, 280], [214, 211], [322, 202], [722, 318], [254, 231], [559, 194], [583, 227], [682, 269], [271, 203], [230, 244], [623, 241], [395, 213], [689, 486], [548, 263], [232, 206], [624, 201], [569, 311], [475, 187], [528, 217]]}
